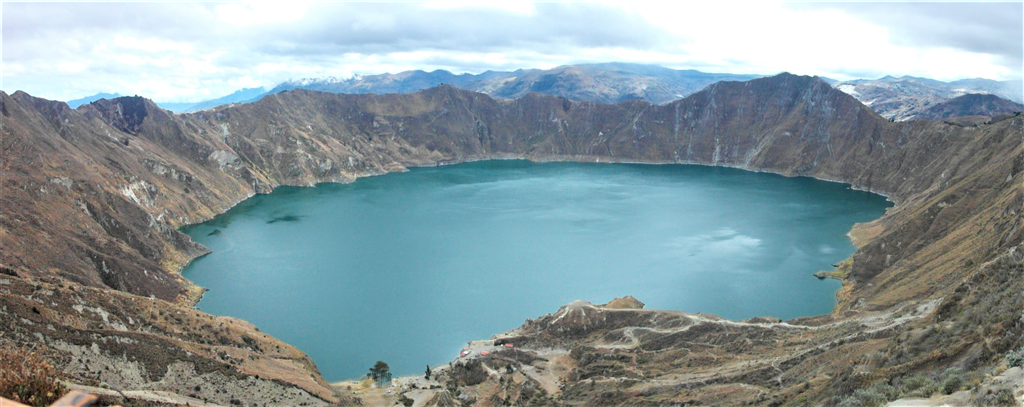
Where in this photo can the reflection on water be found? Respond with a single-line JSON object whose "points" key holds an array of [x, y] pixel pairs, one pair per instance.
{"points": [[284, 218]]}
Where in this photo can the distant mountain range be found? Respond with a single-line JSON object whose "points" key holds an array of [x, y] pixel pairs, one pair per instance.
{"points": [[903, 98], [74, 104], [908, 97], [239, 96], [971, 106], [603, 83], [243, 95], [177, 107]]}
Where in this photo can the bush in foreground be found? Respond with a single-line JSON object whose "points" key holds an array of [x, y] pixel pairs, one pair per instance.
{"points": [[27, 378], [1015, 358]]}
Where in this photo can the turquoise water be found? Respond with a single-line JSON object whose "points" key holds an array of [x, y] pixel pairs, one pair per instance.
{"points": [[407, 267]]}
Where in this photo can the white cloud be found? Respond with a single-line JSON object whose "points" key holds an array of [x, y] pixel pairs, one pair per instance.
{"points": [[150, 45], [72, 66], [769, 37], [516, 6], [250, 13], [193, 51]]}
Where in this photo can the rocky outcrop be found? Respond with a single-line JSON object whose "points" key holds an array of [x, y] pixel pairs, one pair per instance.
{"points": [[129, 174], [627, 302]]}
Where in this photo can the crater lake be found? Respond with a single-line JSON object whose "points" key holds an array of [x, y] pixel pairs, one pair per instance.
{"points": [[408, 267]]}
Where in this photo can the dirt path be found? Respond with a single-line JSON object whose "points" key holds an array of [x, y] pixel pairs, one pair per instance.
{"points": [[416, 387], [372, 396], [876, 322], [550, 373], [556, 364]]}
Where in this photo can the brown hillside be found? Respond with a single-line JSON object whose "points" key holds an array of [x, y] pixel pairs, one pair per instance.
{"points": [[92, 199]]}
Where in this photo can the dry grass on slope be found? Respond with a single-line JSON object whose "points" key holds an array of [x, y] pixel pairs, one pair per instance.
{"points": [[27, 378]]}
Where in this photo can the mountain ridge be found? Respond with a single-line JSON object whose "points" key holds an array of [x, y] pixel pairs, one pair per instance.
{"points": [[897, 98], [616, 82], [130, 173], [906, 97], [971, 104], [74, 103], [240, 96]]}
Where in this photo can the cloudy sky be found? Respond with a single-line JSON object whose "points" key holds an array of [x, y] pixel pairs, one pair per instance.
{"points": [[179, 52]]}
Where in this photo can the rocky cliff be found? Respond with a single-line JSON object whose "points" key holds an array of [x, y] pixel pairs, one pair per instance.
{"points": [[92, 199]]}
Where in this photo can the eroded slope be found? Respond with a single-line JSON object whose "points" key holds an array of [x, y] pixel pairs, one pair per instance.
{"points": [[93, 196]]}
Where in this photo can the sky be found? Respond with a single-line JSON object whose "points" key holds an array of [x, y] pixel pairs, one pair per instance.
{"points": [[186, 51]]}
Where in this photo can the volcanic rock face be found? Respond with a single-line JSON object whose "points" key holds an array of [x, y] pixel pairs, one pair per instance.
{"points": [[92, 199]]}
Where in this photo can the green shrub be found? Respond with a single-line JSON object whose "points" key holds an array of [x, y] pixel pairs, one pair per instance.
{"points": [[919, 386], [876, 395], [863, 398], [468, 374], [952, 384], [1015, 358], [1004, 397]]}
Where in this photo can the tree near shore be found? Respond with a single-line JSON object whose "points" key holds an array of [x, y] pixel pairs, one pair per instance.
{"points": [[427, 375], [380, 373]]}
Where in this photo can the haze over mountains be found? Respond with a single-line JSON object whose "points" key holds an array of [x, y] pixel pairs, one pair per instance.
{"points": [[75, 103], [242, 95], [899, 99], [602, 83], [906, 97]]}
